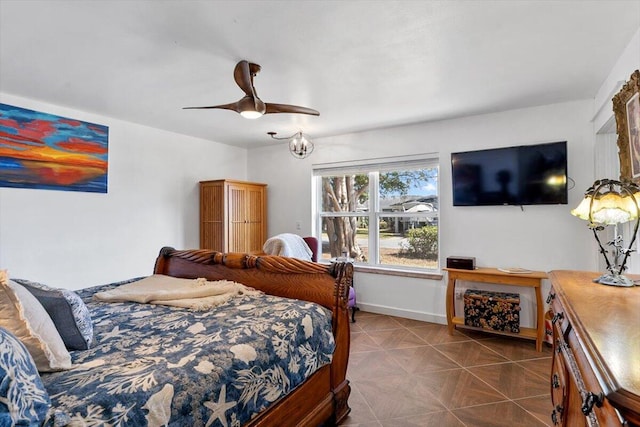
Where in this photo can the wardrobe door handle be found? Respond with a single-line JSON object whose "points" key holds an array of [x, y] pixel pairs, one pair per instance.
{"points": [[555, 381]]}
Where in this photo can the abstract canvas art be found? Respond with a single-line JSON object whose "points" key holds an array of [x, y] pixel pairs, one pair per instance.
{"points": [[45, 151]]}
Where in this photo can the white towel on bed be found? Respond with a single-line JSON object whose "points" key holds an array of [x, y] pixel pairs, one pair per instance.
{"points": [[195, 294], [289, 245]]}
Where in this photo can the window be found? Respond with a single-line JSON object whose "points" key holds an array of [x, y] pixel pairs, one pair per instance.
{"points": [[381, 214]]}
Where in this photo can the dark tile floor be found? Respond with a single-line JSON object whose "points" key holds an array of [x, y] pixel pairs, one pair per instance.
{"points": [[409, 373]]}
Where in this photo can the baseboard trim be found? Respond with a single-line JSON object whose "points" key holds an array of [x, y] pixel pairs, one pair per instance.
{"points": [[407, 314]]}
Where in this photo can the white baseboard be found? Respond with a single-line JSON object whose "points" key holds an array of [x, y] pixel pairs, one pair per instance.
{"points": [[407, 314]]}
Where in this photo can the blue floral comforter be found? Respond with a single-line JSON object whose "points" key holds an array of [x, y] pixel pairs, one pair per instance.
{"points": [[156, 365]]}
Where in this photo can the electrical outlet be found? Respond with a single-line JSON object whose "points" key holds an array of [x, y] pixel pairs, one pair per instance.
{"points": [[298, 225], [459, 294]]}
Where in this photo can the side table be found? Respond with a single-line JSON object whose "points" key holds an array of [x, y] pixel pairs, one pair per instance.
{"points": [[532, 279]]}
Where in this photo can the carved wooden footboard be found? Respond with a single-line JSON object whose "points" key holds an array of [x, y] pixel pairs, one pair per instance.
{"points": [[322, 399]]}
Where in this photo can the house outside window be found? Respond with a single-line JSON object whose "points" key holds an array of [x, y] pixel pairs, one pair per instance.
{"points": [[379, 213]]}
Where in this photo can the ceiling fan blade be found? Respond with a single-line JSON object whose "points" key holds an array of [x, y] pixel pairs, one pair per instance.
{"points": [[243, 75], [284, 108], [233, 106], [250, 106]]}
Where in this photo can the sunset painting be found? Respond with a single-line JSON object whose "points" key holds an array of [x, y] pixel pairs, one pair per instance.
{"points": [[44, 151]]}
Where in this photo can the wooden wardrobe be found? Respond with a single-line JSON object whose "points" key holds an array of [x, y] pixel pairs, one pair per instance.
{"points": [[233, 216]]}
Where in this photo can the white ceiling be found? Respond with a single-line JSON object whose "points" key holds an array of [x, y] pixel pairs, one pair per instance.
{"points": [[362, 64]]}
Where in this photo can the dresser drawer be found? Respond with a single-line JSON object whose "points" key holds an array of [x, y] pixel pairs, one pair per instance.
{"points": [[593, 402], [577, 398], [558, 388]]}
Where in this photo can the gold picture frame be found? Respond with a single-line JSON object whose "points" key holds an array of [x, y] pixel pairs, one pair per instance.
{"points": [[626, 107]]}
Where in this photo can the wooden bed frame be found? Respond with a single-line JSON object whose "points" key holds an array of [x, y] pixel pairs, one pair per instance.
{"points": [[322, 399]]}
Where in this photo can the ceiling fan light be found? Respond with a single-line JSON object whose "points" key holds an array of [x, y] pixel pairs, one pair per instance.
{"points": [[250, 114], [251, 108]]}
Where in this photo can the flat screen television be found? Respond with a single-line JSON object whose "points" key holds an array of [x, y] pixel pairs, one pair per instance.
{"points": [[522, 175]]}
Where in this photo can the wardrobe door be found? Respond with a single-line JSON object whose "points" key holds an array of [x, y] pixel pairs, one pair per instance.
{"points": [[237, 212], [256, 225], [212, 216]]}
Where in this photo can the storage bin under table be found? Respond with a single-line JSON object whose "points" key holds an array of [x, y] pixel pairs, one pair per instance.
{"points": [[496, 311]]}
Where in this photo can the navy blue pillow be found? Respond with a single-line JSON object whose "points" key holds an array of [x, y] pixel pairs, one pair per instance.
{"points": [[23, 399], [67, 310]]}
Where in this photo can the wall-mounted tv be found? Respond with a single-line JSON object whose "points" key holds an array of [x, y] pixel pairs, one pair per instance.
{"points": [[522, 175]]}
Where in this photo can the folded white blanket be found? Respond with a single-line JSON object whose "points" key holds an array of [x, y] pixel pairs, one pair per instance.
{"points": [[289, 245], [195, 294]]}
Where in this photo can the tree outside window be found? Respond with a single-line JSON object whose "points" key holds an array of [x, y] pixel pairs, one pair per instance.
{"points": [[386, 216]]}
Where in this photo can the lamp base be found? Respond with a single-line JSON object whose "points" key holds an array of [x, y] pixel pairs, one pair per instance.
{"points": [[614, 280]]}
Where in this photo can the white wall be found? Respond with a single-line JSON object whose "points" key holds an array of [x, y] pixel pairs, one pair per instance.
{"points": [[74, 239], [628, 61], [538, 237]]}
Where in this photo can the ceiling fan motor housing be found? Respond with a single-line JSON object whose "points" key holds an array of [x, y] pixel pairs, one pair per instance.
{"points": [[251, 107]]}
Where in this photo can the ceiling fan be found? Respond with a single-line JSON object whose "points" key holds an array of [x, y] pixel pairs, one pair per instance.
{"points": [[250, 106]]}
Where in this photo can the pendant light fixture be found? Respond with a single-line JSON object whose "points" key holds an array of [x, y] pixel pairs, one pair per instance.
{"points": [[300, 146]]}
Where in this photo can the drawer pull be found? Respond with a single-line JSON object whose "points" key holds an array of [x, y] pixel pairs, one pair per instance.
{"points": [[556, 317], [555, 381], [554, 417], [550, 297], [591, 399]]}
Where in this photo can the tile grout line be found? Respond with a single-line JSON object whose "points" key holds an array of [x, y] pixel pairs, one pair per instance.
{"points": [[465, 368], [369, 406], [447, 409], [507, 360], [492, 387], [534, 372], [471, 373], [529, 412], [456, 417]]}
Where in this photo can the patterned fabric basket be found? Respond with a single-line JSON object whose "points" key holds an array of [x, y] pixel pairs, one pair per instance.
{"points": [[498, 311]]}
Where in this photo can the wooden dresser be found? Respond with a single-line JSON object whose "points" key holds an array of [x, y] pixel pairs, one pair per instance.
{"points": [[595, 378]]}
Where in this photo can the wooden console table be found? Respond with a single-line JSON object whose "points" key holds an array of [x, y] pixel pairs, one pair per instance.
{"points": [[493, 275]]}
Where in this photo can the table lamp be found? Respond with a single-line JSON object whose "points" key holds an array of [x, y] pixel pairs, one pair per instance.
{"points": [[611, 202]]}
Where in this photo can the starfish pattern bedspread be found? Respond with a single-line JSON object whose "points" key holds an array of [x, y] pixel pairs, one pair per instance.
{"points": [[155, 365]]}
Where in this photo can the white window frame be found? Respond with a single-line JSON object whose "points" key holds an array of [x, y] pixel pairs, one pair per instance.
{"points": [[373, 167]]}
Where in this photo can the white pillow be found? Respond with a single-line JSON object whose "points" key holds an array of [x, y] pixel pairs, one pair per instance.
{"points": [[23, 315]]}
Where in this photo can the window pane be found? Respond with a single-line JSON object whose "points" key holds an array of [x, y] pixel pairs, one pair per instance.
{"points": [[403, 203], [345, 193], [345, 234], [414, 190], [409, 241]]}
